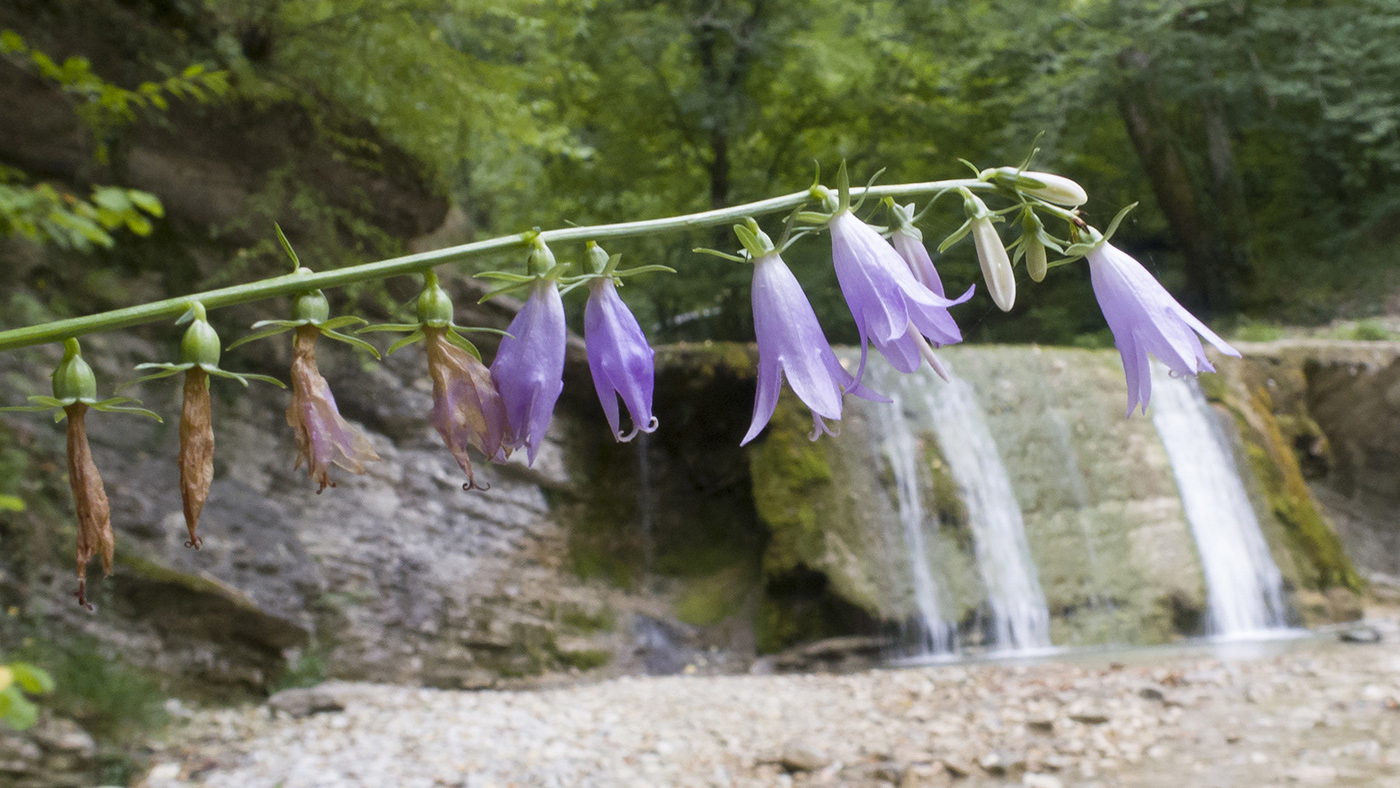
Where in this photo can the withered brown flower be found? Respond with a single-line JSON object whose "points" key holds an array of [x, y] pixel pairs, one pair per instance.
{"points": [[196, 451], [324, 438], [95, 535], [467, 408]]}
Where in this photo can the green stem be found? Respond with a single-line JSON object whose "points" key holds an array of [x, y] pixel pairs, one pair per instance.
{"points": [[172, 308]]}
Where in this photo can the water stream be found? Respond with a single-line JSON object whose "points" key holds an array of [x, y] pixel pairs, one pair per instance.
{"points": [[1244, 590], [1019, 618], [932, 635]]}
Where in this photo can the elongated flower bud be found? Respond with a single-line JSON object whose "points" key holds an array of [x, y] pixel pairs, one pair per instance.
{"points": [[95, 535], [196, 451], [996, 265], [1047, 186], [324, 438], [467, 408]]}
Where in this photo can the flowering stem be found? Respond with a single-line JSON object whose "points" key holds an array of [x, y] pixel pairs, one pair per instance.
{"points": [[172, 308]]}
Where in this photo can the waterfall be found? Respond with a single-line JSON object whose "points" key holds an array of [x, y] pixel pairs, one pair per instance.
{"points": [[1020, 618], [933, 635], [1244, 590]]}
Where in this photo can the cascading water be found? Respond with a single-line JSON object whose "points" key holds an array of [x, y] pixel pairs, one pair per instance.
{"points": [[1244, 590], [933, 636], [1020, 618]]}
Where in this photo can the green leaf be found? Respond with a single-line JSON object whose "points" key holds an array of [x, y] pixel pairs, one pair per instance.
{"points": [[147, 202], [244, 377], [388, 327], [34, 680], [351, 341], [339, 322], [11, 503], [114, 405], [264, 334], [416, 336], [287, 245], [16, 710], [462, 342]]}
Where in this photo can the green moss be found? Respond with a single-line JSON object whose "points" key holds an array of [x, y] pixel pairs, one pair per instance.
{"points": [[791, 476], [587, 659], [1325, 563], [580, 620], [710, 600]]}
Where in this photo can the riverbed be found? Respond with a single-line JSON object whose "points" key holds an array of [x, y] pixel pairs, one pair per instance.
{"points": [[1312, 711]]}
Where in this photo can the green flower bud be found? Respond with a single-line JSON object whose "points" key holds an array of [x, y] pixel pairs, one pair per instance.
{"points": [[311, 306], [73, 380], [541, 259], [597, 258], [434, 305], [1036, 262], [200, 345]]}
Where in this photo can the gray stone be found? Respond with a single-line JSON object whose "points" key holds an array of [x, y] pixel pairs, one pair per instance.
{"points": [[298, 703], [800, 756], [1360, 634]]}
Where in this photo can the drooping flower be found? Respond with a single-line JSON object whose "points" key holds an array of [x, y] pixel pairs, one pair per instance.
{"points": [[324, 437], [529, 366], [893, 311], [196, 451], [467, 408], [74, 394], [619, 358], [791, 345], [200, 349], [95, 535], [1146, 319]]}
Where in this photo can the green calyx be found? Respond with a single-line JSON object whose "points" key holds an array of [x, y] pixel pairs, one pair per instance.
{"points": [[199, 349], [756, 242], [1095, 239], [73, 379], [309, 308], [435, 312], [602, 265], [539, 265], [73, 383]]}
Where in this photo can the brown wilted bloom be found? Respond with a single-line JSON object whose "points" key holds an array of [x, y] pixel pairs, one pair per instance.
{"points": [[467, 408], [90, 499], [324, 438], [196, 450]]}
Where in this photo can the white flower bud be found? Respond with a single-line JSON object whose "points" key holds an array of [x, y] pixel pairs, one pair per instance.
{"points": [[1046, 186], [996, 265]]}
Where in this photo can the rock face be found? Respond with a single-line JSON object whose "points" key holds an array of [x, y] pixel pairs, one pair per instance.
{"points": [[1103, 518], [1335, 407]]}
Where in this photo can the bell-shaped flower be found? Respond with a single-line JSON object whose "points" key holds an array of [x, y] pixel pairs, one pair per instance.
{"points": [[1146, 319], [896, 313], [467, 408], [529, 366], [619, 358], [791, 343], [324, 437]]}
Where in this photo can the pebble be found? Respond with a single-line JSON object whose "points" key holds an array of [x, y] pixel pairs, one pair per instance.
{"points": [[1043, 725]]}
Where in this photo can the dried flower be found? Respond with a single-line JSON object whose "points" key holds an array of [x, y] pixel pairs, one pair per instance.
{"points": [[196, 451], [529, 366], [467, 408], [619, 358], [1146, 319], [95, 535], [200, 349], [324, 438]]}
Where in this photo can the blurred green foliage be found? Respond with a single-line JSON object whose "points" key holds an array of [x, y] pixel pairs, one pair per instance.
{"points": [[1262, 135], [18, 679]]}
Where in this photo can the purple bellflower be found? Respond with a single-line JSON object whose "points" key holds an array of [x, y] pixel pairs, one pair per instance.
{"points": [[619, 358], [529, 366], [895, 312], [1146, 319], [791, 343]]}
